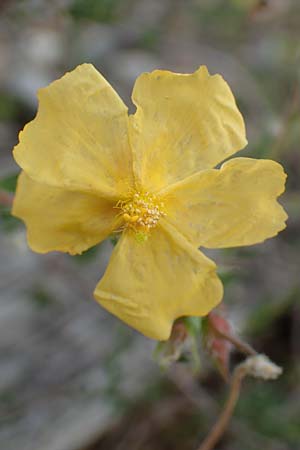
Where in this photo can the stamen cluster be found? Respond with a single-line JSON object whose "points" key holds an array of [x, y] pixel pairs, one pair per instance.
{"points": [[142, 211]]}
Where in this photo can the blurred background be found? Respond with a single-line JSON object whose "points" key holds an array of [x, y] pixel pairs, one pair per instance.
{"points": [[72, 377]]}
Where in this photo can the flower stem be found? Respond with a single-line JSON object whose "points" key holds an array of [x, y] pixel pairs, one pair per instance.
{"points": [[258, 366], [238, 343], [221, 424], [242, 346]]}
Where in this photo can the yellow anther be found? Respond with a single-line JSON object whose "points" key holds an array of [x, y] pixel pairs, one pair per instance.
{"points": [[126, 217], [130, 219], [141, 212], [134, 219]]}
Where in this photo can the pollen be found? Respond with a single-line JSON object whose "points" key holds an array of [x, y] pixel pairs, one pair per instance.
{"points": [[141, 212]]}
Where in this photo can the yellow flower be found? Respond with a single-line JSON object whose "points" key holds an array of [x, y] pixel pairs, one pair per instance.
{"points": [[89, 169]]}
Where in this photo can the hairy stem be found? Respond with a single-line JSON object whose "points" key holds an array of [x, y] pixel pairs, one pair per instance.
{"points": [[221, 424], [238, 343]]}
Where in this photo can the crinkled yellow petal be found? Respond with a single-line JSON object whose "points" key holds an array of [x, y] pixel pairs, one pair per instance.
{"points": [[148, 285], [184, 123], [230, 207], [79, 138], [62, 220]]}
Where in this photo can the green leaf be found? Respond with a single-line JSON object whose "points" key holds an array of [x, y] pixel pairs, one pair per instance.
{"points": [[193, 325], [9, 182], [96, 10]]}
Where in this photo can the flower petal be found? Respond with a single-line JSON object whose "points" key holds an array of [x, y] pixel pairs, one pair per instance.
{"points": [[230, 207], [184, 123], [148, 285], [62, 220], [79, 138]]}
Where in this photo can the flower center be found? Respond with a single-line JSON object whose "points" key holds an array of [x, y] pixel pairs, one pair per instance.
{"points": [[141, 212]]}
